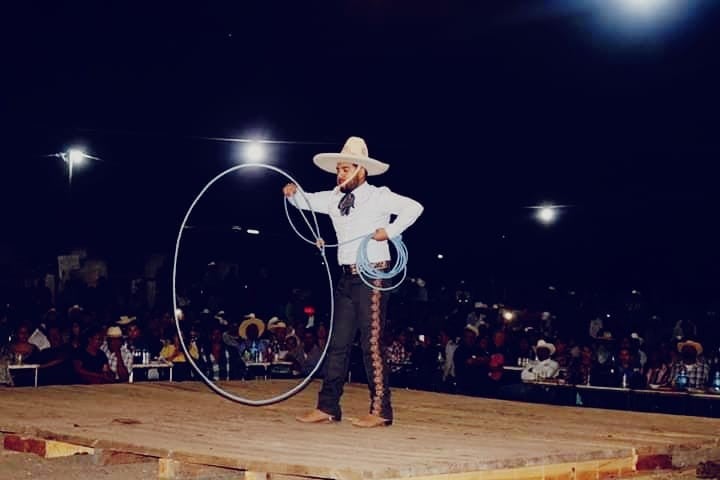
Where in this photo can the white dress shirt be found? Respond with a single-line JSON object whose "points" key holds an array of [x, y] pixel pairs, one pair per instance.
{"points": [[372, 210], [536, 370]]}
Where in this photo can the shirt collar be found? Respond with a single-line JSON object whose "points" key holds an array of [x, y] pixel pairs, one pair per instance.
{"points": [[362, 191]]}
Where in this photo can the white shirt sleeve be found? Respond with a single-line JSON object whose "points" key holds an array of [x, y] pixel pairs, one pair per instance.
{"points": [[406, 209], [319, 202]]}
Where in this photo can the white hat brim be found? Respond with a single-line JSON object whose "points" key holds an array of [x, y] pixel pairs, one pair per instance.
{"points": [[328, 162]]}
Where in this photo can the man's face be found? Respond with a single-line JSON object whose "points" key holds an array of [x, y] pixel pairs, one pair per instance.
{"points": [[95, 341], [688, 354], [55, 337], [469, 337], [216, 336], [624, 356], [23, 334], [344, 171], [114, 343], [133, 332], [543, 353]]}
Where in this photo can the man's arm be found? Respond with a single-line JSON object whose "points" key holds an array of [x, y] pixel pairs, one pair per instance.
{"points": [[92, 377], [318, 202], [124, 364], [406, 209]]}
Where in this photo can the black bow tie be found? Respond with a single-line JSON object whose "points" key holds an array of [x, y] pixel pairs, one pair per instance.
{"points": [[346, 203]]}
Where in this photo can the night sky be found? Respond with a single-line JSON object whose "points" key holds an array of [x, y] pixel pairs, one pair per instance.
{"points": [[481, 108]]}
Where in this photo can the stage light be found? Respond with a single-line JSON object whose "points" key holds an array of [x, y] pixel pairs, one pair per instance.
{"points": [[644, 18], [253, 231], [547, 214], [255, 152], [76, 156], [644, 8]]}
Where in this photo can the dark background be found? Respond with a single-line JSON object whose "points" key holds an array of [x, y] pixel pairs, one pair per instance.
{"points": [[481, 108]]}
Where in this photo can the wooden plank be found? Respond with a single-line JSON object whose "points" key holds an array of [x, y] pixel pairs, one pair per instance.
{"points": [[168, 469], [434, 434], [565, 471], [44, 448], [55, 449]]}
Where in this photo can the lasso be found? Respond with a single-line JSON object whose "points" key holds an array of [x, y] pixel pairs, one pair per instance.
{"points": [[365, 270]]}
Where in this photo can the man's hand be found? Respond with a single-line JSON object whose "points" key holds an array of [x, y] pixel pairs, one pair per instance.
{"points": [[289, 190], [380, 235]]}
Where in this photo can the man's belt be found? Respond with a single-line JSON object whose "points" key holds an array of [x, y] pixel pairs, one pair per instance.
{"points": [[352, 269]]}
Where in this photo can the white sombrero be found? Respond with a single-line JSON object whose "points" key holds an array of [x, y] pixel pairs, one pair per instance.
{"points": [[354, 151]]}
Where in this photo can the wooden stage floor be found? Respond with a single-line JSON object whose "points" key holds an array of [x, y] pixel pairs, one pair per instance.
{"points": [[434, 435]]}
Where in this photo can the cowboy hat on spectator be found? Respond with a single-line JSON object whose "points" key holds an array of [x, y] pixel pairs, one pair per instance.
{"points": [[251, 319], [114, 332], [543, 344], [690, 343], [126, 320], [275, 323]]}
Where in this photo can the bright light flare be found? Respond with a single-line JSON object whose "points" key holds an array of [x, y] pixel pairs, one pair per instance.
{"points": [[547, 214], [255, 152], [253, 231], [76, 156], [640, 18], [645, 9]]}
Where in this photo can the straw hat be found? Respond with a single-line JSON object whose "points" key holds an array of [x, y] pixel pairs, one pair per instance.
{"points": [[354, 151], [114, 332], [125, 320], [473, 329], [543, 344], [251, 319], [275, 323], [689, 343]]}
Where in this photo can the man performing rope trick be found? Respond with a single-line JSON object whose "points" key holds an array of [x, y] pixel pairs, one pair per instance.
{"points": [[357, 208]]}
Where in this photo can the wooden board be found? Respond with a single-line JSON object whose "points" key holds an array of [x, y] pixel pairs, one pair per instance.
{"points": [[434, 434]]}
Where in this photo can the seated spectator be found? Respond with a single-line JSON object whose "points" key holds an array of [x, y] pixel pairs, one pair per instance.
{"points": [[90, 363], [252, 345], [120, 358], [657, 368], [544, 367], [55, 361], [307, 355], [562, 355], [398, 354], [218, 361], [173, 352], [471, 363], [627, 373], [582, 367], [278, 333], [20, 349], [696, 369], [137, 339], [75, 339]]}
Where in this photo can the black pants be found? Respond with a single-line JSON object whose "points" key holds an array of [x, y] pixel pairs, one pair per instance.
{"points": [[357, 307]]}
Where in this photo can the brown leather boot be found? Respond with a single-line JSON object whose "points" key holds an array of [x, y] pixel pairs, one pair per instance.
{"points": [[316, 416], [371, 421]]}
